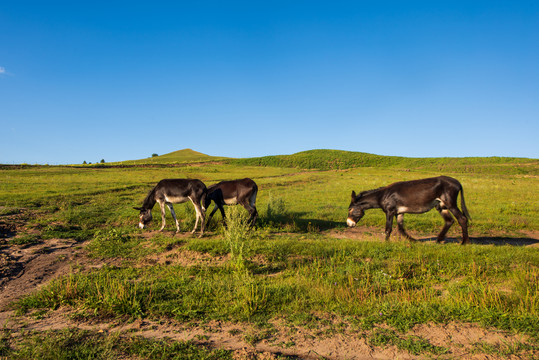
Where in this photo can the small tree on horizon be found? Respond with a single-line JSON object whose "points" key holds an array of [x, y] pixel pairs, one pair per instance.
{"points": [[154, 155], [102, 161]]}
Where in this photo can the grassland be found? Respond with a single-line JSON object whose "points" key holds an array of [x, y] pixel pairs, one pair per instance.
{"points": [[300, 271], [337, 159]]}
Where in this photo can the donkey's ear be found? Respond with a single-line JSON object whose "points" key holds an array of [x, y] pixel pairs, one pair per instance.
{"points": [[353, 194], [138, 208]]}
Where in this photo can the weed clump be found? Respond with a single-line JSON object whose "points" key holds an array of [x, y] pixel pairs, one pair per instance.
{"points": [[240, 239]]}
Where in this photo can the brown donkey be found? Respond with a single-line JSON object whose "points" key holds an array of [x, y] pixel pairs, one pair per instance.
{"points": [[233, 192], [174, 191], [415, 197]]}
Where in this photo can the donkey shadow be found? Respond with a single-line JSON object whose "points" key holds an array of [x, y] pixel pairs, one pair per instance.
{"points": [[487, 240], [318, 225]]}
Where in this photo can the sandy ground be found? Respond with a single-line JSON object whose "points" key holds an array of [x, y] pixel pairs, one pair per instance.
{"points": [[24, 269]]}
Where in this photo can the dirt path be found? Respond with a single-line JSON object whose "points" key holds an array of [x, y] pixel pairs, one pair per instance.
{"points": [[24, 268], [297, 342]]}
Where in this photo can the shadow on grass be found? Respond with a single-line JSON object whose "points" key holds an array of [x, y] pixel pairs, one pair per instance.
{"points": [[301, 224], [310, 225], [376, 234], [488, 240]]}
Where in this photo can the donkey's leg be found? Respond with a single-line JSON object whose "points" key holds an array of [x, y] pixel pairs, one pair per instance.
{"points": [[251, 210], [200, 215], [400, 225], [163, 222], [389, 223], [197, 210], [196, 221], [463, 222], [254, 216], [215, 208], [220, 208], [448, 222], [171, 208], [252, 202]]}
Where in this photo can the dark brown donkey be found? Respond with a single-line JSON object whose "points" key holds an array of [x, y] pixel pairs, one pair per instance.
{"points": [[416, 197], [174, 191], [233, 192]]}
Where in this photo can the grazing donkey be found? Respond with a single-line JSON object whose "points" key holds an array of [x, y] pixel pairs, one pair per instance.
{"points": [[175, 191], [233, 192], [416, 197]]}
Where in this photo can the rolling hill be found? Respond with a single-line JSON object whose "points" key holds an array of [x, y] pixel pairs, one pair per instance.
{"points": [[324, 159], [338, 160], [176, 157]]}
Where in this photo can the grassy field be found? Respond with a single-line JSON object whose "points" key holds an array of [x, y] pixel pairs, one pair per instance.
{"points": [[300, 267]]}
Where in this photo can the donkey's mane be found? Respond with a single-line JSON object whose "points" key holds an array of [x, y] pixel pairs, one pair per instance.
{"points": [[371, 192], [149, 201]]}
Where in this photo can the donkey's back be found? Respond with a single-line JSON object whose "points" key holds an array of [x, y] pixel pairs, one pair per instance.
{"points": [[177, 191]]}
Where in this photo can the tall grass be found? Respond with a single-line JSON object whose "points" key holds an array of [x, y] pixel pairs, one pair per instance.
{"points": [[239, 238], [251, 293]]}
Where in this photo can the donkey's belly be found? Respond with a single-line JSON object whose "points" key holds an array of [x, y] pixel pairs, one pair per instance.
{"points": [[176, 199], [412, 210], [418, 209], [231, 201]]}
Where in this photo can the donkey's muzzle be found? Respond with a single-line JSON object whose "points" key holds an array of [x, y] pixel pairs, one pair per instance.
{"points": [[350, 222]]}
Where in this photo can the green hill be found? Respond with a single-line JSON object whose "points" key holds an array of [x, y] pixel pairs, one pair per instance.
{"points": [[176, 157], [337, 160], [323, 159]]}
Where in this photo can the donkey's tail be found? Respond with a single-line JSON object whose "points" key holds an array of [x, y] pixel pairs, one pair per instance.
{"points": [[252, 199], [203, 199], [463, 204]]}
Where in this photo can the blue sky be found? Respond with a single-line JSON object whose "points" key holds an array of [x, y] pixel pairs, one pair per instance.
{"points": [[119, 80]]}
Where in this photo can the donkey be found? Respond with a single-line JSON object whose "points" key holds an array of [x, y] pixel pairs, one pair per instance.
{"points": [[175, 191], [233, 192], [416, 197]]}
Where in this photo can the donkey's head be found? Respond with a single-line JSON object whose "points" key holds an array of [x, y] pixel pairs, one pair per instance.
{"points": [[206, 201], [145, 216], [214, 194], [355, 210]]}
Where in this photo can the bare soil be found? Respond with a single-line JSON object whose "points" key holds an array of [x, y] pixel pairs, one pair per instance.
{"points": [[25, 268]]}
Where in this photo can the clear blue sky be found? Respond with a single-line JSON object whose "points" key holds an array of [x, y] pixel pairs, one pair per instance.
{"points": [[119, 80]]}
